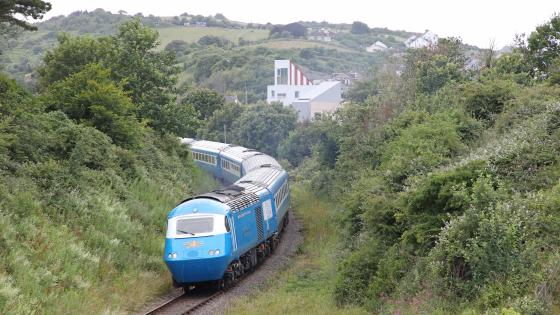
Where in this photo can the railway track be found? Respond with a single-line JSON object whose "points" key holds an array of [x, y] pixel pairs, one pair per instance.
{"points": [[183, 303]]}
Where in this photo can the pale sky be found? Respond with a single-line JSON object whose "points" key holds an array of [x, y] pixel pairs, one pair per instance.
{"points": [[477, 22]]}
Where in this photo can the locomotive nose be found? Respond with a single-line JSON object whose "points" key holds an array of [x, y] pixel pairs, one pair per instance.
{"points": [[197, 259]]}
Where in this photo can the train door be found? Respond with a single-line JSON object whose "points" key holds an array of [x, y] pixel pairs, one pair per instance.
{"points": [[269, 218]]}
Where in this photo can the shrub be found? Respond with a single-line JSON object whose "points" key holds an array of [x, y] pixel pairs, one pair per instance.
{"points": [[90, 97], [355, 273], [485, 100]]}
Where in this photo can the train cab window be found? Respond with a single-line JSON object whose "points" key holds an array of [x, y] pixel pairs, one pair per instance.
{"points": [[197, 225], [193, 226]]}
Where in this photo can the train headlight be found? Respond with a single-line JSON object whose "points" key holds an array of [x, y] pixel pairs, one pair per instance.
{"points": [[172, 255], [211, 252], [217, 252]]}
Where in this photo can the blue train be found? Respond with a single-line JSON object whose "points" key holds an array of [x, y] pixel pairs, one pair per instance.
{"points": [[214, 238]]}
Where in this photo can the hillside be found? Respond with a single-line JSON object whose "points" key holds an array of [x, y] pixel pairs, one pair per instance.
{"points": [[193, 34], [23, 54]]}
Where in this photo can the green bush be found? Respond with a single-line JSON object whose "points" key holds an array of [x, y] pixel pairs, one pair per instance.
{"points": [[484, 100], [421, 147], [74, 199], [90, 97], [355, 273]]}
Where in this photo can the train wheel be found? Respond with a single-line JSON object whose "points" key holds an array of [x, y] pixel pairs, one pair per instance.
{"points": [[229, 281], [188, 288], [217, 285]]}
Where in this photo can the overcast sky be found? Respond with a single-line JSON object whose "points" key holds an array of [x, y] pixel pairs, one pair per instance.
{"points": [[477, 22]]}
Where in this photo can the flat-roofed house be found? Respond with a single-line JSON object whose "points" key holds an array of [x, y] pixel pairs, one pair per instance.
{"points": [[293, 88]]}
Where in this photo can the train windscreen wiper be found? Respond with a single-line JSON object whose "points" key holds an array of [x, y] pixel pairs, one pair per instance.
{"points": [[186, 232]]}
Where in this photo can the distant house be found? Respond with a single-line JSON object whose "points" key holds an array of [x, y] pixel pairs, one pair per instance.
{"points": [[345, 78], [377, 46], [321, 34], [427, 39], [195, 24], [293, 88]]}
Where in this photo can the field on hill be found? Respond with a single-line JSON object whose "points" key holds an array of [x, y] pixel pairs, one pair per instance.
{"points": [[192, 34], [299, 44]]}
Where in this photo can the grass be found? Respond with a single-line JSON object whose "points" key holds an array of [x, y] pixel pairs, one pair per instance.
{"points": [[298, 44], [306, 286], [111, 265], [193, 34]]}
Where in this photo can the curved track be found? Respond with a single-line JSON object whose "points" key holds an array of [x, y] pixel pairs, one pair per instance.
{"points": [[183, 303]]}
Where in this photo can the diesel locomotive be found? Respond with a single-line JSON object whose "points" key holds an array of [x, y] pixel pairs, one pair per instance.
{"points": [[214, 238]]}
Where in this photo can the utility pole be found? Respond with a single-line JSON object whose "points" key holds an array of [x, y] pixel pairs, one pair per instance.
{"points": [[225, 134], [246, 92]]}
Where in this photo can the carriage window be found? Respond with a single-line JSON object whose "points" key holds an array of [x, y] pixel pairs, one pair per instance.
{"points": [[280, 195], [204, 158]]}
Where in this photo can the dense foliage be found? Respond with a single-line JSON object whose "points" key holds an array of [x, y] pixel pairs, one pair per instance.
{"points": [[449, 180], [147, 76], [261, 126], [85, 182]]}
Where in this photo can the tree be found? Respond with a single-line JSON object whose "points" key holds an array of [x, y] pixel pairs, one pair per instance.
{"points": [[544, 44], [71, 56], [208, 40], [292, 29], [11, 9], [176, 46], [179, 119], [149, 75], [359, 28], [486, 100], [296, 29], [317, 139], [361, 90], [146, 75], [263, 126], [91, 97], [222, 121], [205, 101], [430, 68]]}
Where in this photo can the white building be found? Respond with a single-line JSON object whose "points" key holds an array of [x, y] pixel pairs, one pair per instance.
{"points": [[293, 88], [320, 34], [377, 46], [427, 39]]}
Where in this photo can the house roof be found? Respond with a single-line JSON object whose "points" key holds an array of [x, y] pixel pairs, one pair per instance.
{"points": [[318, 90]]}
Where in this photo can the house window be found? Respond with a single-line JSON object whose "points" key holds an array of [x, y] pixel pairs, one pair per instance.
{"points": [[296, 94], [282, 76], [281, 95], [272, 93]]}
